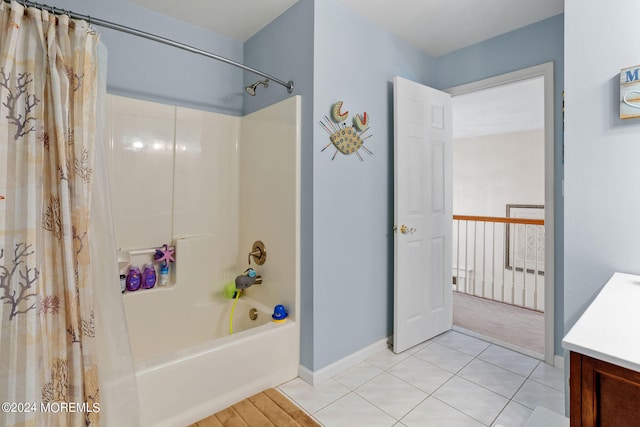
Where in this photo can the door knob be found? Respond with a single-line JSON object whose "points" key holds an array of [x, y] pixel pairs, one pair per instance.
{"points": [[404, 229]]}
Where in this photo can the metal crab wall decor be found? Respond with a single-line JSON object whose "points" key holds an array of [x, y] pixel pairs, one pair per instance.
{"points": [[346, 139]]}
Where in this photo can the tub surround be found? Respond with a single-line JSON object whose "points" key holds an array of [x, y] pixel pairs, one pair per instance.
{"points": [[268, 209], [211, 185]]}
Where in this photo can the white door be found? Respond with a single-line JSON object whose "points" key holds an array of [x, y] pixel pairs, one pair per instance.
{"points": [[423, 213]]}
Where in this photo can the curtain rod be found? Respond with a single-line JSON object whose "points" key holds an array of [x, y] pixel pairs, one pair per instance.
{"points": [[159, 39]]}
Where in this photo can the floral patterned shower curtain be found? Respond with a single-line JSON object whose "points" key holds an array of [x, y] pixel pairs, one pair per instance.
{"points": [[48, 75]]}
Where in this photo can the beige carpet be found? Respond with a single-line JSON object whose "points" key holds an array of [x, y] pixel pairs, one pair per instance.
{"points": [[266, 409], [514, 325]]}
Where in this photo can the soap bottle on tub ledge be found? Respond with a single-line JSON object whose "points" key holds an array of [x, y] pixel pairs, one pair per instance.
{"points": [[164, 274], [164, 255], [149, 276], [134, 278]]}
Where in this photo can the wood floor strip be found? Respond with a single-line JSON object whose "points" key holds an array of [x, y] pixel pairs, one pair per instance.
{"points": [[275, 413], [294, 412], [229, 418], [210, 421], [251, 415], [269, 408]]}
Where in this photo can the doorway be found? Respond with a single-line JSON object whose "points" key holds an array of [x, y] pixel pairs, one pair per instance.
{"points": [[521, 271]]}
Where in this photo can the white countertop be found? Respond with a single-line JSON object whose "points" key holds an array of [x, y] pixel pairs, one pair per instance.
{"points": [[609, 329]]}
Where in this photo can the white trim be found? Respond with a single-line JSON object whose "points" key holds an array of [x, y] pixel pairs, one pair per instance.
{"points": [[316, 377], [501, 343], [558, 361], [545, 70], [305, 374]]}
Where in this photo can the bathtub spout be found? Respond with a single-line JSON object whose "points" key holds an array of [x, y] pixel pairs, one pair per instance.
{"points": [[247, 279], [243, 281]]}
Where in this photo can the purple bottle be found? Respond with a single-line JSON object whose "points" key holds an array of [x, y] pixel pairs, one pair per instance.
{"points": [[134, 278], [148, 276]]}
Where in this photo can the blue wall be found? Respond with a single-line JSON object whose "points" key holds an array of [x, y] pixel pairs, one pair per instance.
{"points": [[284, 49], [602, 153], [346, 261], [355, 62], [148, 70], [532, 45]]}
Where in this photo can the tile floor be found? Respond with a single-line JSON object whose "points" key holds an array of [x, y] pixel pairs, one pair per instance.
{"points": [[453, 380]]}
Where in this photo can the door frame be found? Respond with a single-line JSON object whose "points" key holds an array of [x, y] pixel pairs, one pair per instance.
{"points": [[543, 70]]}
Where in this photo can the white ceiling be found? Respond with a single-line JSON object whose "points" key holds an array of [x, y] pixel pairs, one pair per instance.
{"points": [[238, 19], [513, 107], [434, 26], [441, 26]]}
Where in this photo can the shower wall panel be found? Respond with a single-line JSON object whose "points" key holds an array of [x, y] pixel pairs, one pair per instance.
{"points": [[269, 199], [174, 174], [211, 184], [206, 177], [142, 146]]}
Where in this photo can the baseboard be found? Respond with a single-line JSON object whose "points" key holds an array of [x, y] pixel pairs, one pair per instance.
{"points": [[316, 377], [305, 374], [558, 361]]}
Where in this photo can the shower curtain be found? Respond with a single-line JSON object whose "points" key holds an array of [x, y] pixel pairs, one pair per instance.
{"points": [[57, 254]]}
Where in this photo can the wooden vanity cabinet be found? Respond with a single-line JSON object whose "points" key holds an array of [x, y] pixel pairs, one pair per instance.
{"points": [[603, 394]]}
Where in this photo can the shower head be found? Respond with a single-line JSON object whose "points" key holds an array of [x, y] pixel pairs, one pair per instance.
{"points": [[251, 89]]}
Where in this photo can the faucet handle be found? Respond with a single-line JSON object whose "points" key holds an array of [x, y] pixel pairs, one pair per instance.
{"points": [[258, 252]]}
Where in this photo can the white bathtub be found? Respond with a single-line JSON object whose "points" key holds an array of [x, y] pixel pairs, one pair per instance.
{"points": [[190, 382]]}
